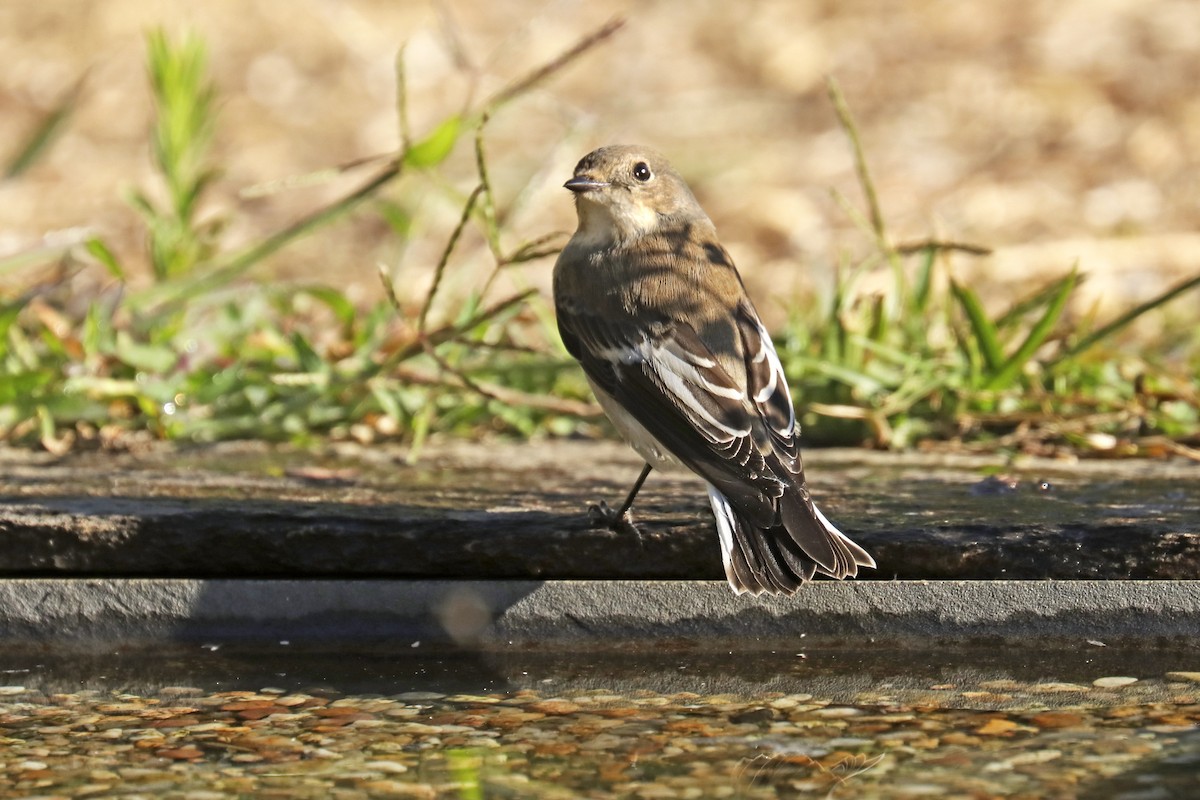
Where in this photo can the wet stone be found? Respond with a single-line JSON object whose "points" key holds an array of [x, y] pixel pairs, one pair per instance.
{"points": [[1114, 682], [1190, 677], [752, 715], [1116, 520], [1057, 719], [553, 706]]}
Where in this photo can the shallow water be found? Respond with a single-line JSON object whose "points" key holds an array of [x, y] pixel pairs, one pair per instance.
{"points": [[829, 719]]}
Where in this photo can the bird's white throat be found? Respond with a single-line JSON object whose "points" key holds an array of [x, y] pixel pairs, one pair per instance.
{"points": [[607, 224]]}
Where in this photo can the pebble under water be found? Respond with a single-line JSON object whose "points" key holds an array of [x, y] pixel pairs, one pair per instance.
{"points": [[986, 718]]}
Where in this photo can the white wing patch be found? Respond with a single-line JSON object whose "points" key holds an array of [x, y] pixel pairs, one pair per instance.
{"points": [[778, 382], [679, 373], [627, 356]]}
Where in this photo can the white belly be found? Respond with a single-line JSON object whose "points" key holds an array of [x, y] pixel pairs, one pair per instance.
{"points": [[634, 433]]}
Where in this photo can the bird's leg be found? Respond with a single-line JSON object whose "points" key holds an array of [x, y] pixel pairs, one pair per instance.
{"points": [[620, 521], [637, 487]]}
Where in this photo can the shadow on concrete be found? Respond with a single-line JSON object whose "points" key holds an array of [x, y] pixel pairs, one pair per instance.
{"points": [[233, 537]]}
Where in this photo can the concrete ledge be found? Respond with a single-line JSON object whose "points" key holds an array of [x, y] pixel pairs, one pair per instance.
{"points": [[250, 511], [589, 613]]}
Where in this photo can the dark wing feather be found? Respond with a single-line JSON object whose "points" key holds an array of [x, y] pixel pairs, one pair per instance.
{"points": [[666, 377], [767, 389]]}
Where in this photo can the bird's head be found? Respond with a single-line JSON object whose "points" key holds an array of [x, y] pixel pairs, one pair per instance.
{"points": [[624, 192]]}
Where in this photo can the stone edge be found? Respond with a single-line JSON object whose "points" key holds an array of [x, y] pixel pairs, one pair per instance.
{"points": [[583, 613]]}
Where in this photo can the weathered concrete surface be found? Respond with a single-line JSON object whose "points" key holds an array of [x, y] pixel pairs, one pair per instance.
{"points": [[595, 613], [516, 511]]}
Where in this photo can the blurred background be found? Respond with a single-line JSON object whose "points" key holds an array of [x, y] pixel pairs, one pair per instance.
{"points": [[1052, 131]]}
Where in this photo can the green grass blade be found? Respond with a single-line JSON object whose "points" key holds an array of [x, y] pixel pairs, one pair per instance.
{"points": [[150, 358], [1129, 316], [401, 71], [879, 320], [173, 293], [524, 84], [856, 380], [99, 251], [1038, 299], [184, 125], [846, 120], [387, 400], [440, 270], [307, 358], [983, 329], [487, 210], [8, 315], [43, 136], [335, 301], [923, 284], [893, 355], [1037, 335]]}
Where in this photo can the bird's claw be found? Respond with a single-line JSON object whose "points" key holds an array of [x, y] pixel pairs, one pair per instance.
{"points": [[604, 516]]}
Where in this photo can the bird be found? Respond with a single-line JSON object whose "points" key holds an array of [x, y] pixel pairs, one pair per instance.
{"points": [[652, 307]]}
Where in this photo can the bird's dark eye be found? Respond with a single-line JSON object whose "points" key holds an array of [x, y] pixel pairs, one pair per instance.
{"points": [[641, 171]]}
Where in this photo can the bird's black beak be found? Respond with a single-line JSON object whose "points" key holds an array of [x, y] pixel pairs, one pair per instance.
{"points": [[581, 183]]}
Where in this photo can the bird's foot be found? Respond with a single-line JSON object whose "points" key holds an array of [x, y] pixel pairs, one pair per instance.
{"points": [[604, 516]]}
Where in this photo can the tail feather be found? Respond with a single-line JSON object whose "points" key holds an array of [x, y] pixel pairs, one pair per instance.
{"points": [[749, 564], [777, 560], [737, 571], [770, 566], [814, 539], [858, 556]]}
